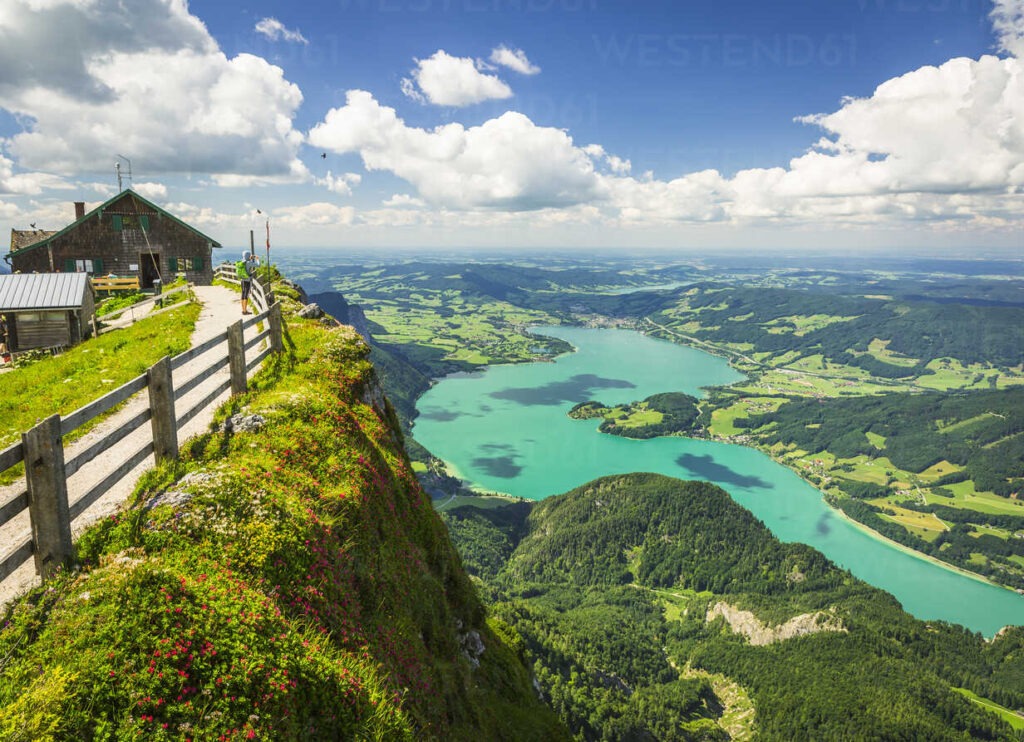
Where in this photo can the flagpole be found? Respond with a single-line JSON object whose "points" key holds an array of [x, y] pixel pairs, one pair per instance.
{"points": [[268, 250]]}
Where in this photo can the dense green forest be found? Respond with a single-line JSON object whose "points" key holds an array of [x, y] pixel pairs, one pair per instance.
{"points": [[610, 587]]}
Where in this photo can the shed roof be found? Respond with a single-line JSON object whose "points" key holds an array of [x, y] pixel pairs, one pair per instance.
{"points": [[28, 291]]}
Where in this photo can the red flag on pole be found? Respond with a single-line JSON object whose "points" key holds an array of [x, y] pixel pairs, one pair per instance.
{"points": [[268, 235]]}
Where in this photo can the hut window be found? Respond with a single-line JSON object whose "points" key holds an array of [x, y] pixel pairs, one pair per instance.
{"points": [[186, 264], [83, 265]]}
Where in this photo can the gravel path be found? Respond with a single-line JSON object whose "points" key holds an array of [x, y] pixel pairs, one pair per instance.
{"points": [[220, 309]]}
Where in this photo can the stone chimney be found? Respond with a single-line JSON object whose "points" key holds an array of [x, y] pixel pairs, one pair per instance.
{"points": [[79, 210]]}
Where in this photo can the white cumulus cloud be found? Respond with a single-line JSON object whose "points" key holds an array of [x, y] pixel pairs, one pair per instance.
{"points": [[1008, 23], [445, 80], [514, 59], [937, 145], [340, 184], [26, 184], [273, 29], [319, 214], [152, 191], [505, 163], [151, 84], [403, 200]]}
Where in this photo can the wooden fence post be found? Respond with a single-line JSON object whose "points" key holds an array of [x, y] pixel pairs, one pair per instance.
{"points": [[161, 405], [47, 496], [274, 319], [236, 358]]}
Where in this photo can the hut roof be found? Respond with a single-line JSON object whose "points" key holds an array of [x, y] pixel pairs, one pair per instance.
{"points": [[22, 238], [35, 291]]}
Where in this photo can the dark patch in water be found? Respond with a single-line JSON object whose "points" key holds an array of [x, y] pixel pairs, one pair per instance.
{"points": [[705, 467], [442, 416], [498, 448], [823, 526], [578, 388], [504, 467], [485, 408]]}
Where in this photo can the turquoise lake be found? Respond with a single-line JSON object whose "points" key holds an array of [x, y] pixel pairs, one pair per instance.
{"points": [[506, 430]]}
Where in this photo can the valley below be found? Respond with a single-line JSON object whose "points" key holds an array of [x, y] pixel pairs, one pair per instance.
{"points": [[564, 417]]}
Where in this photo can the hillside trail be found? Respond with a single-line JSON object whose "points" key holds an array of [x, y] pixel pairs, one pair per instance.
{"points": [[220, 308]]}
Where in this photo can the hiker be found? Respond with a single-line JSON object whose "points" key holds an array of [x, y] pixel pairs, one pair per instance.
{"points": [[245, 269]]}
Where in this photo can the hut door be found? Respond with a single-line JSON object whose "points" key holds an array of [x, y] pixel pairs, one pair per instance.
{"points": [[148, 269]]}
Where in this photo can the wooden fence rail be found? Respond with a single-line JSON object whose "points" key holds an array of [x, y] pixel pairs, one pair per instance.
{"points": [[156, 299], [262, 296], [47, 472]]}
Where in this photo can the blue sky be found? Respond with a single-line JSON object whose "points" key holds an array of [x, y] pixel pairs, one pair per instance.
{"points": [[796, 124]]}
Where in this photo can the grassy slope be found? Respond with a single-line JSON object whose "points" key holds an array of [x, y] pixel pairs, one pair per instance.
{"points": [[295, 584], [66, 382]]}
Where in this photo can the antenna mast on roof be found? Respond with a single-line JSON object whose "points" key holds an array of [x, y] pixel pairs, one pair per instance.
{"points": [[117, 169]]}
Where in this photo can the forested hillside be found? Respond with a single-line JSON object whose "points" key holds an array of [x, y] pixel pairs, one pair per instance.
{"points": [[852, 337], [920, 330], [618, 589]]}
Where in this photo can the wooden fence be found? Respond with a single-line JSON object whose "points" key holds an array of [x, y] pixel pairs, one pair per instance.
{"points": [[261, 296], [41, 448]]}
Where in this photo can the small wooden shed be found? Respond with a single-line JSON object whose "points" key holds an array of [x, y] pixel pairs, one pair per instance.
{"points": [[46, 310]]}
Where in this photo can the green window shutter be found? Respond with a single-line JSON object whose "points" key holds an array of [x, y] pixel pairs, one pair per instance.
{"points": [[198, 263], [173, 263], [97, 266], [69, 265], [115, 222], [144, 220]]}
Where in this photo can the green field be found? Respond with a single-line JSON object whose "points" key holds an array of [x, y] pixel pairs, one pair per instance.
{"points": [[880, 350], [924, 525], [952, 374], [638, 416], [801, 324], [791, 381], [990, 531], [484, 502], [1012, 718], [985, 502], [722, 418]]}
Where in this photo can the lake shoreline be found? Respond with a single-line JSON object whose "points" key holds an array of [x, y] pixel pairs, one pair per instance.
{"points": [[508, 442]]}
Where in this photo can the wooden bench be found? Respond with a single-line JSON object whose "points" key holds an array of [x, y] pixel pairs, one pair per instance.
{"points": [[116, 284]]}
